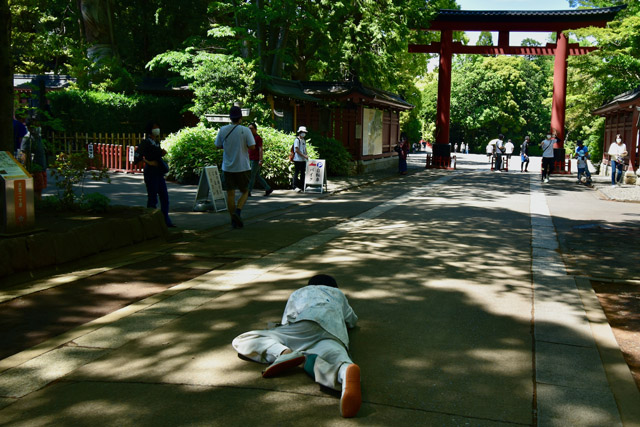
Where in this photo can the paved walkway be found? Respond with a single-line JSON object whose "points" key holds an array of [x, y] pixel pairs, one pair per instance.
{"points": [[468, 315]]}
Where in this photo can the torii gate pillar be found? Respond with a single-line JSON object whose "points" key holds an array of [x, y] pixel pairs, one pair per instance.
{"points": [[444, 91], [559, 88]]}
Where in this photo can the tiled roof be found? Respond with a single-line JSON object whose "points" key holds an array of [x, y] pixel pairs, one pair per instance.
{"points": [[528, 15], [631, 97], [336, 89]]}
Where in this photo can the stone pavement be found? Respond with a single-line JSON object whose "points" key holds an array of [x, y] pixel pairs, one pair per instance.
{"points": [[468, 314]]}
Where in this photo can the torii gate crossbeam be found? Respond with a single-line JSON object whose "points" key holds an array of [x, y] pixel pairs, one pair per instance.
{"points": [[504, 22]]}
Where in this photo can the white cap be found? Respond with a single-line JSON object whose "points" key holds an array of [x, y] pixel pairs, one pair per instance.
{"points": [[302, 129]]}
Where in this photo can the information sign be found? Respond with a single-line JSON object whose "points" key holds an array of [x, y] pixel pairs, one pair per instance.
{"points": [[315, 179], [210, 191], [16, 193]]}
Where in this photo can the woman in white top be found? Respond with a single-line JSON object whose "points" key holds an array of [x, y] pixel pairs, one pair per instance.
{"points": [[300, 159], [617, 153]]}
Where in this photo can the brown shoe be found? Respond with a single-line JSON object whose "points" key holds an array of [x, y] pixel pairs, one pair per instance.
{"points": [[282, 363], [351, 394]]}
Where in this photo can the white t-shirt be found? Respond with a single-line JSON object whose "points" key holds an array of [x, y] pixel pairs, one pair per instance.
{"points": [[615, 151], [236, 140], [509, 147], [302, 145], [324, 305], [499, 146]]}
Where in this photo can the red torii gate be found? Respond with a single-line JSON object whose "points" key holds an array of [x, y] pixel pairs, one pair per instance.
{"points": [[504, 22]]}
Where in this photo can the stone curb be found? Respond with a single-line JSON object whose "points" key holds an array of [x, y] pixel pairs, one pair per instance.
{"points": [[47, 249]]}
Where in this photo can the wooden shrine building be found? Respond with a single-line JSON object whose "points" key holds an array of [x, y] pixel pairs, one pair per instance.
{"points": [[365, 120], [622, 117], [447, 21]]}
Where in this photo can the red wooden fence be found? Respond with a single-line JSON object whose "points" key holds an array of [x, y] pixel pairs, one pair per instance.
{"points": [[114, 148]]}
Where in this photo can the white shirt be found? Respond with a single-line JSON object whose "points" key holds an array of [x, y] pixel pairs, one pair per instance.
{"points": [[236, 140], [499, 145], [509, 147], [302, 145], [324, 305], [616, 151]]}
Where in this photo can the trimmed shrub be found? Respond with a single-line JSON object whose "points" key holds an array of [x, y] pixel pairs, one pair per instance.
{"points": [[191, 149], [94, 111], [339, 162]]}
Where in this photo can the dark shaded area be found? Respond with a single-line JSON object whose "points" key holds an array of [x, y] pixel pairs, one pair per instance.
{"points": [[621, 304], [34, 318]]}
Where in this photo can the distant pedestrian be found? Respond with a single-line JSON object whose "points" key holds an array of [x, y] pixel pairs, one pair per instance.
{"points": [[466, 147], [455, 147], [582, 155], [236, 141], [508, 149], [498, 144], [256, 159], [402, 148], [35, 157], [617, 153], [154, 170], [462, 147], [547, 157], [490, 150], [524, 154], [300, 158], [19, 132], [312, 333]]}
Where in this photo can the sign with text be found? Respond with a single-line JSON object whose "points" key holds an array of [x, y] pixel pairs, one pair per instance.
{"points": [[315, 178], [210, 190], [16, 192]]}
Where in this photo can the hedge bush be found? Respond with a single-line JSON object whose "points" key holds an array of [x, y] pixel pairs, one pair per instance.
{"points": [[339, 162], [94, 111], [191, 149]]}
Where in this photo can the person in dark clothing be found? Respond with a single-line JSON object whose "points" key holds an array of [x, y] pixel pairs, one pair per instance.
{"points": [[154, 170], [524, 155], [19, 131]]}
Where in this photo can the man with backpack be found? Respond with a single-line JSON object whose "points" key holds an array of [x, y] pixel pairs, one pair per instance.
{"points": [[300, 158]]}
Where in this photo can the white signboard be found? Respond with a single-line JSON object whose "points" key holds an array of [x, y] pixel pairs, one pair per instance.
{"points": [[210, 190], [372, 132], [315, 178]]}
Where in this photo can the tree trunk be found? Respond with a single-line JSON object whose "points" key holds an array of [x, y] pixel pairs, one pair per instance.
{"points": [[6, 79], [98, 28]]}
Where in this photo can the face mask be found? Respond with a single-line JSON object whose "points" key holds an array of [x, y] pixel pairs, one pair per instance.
{"points": [[302, 134], [618, 140], [548, 136], [155, 132]]}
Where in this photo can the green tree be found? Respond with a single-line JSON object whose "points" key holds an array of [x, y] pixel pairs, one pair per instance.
{"points": [[217, 80], [504, 94]]}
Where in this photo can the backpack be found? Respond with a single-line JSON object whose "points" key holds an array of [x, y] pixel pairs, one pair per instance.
{"points": [[292, 153]]}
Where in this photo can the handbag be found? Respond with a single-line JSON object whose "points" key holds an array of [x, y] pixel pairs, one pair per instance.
{"points": [[163, 166]]}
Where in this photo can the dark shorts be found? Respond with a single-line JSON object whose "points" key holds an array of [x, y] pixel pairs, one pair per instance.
{"points": [[237, 180]]}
